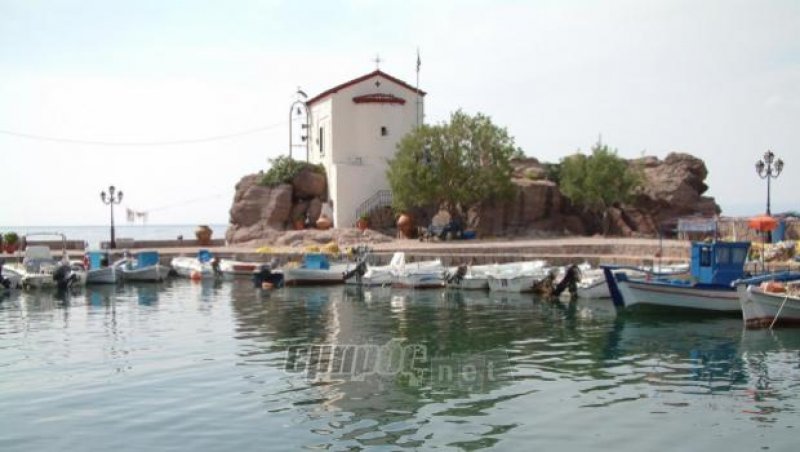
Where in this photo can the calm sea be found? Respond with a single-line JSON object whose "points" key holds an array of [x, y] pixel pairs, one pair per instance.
{"points": [[93, 235], [221, 367]]}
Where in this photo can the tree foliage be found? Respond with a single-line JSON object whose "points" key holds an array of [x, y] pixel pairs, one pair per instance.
{"points": [[599, 180], [454, 164], [283, 170]]}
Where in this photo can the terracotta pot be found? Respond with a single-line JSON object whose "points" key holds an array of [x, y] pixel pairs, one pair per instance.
{"points": [[11, 248], [203, 235], [299, 224], [405, 224], [362, 224], [324, 222]]}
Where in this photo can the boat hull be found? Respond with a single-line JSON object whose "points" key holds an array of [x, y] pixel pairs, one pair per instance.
{"points": [[106, 275], [513, 284], [190, 267], [419, 281], [760, 308], [678, 297], [314, 277], [151, 273]]}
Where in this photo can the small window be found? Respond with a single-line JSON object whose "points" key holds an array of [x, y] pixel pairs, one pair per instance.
{"points": [[705, 257], [321, 141], [384, 131]]}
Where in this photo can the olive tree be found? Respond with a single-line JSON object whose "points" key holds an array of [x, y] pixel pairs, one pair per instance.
{"points": [[598, 181], [453, 164]]}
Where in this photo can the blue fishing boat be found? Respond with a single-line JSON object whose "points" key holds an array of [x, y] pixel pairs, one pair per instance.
{"points": [[145, 266], [714, 267]]}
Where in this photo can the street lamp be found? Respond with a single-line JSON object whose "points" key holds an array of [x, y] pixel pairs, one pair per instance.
{"points": [[113, 197], [769, 168]]}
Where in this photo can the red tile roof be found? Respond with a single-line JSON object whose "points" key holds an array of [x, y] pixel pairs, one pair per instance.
{"points": [[380, 73]]}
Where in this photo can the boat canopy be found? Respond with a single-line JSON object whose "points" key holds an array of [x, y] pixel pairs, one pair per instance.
{"points": [[718, 263], [147, 258], [316, 261], [204, 256], [96, 259]]}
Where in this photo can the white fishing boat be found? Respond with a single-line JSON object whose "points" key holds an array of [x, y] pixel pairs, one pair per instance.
{"points": [[202, 266], [98, 268], [238, 269], [714, 267], [39, 269], [376, 275], [144, 266], [517, 276], [593, 285], [469, 277], [315, 270], [9, 280], [769, 300], [419, 275]]}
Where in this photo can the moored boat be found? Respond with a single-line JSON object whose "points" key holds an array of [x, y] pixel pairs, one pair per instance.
{"points": [[375, 275], [236, 269], [517, 276], [419, 275], [315, 269], [98, 268], [202, 266], [144, 266], [769, 300], [469, 277], [39, 270], [714, 266]]}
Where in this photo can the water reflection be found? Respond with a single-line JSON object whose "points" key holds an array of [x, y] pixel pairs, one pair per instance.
{"points": [[527, 342]]}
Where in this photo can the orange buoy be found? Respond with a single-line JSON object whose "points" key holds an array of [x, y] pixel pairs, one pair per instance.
{"points": [[196, 276]]}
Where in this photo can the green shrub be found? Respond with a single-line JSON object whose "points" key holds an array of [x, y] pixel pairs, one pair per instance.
{"points": [[283, 169], [10, 238]]}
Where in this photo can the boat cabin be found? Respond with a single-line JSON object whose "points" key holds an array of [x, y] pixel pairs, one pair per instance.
{"points": [[147, 259], [96, 259], [718, 263], [316, 261]]}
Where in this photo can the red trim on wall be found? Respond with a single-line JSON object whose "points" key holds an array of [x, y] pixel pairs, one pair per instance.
{"points": [[379, 98], [378, 73]]}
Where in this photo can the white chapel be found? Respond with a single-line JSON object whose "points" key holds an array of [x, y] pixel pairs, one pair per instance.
{"points": [[354, 129]]}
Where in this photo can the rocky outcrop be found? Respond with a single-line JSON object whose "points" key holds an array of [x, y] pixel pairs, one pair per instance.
{"points": [[260, 212], [672, 188]]}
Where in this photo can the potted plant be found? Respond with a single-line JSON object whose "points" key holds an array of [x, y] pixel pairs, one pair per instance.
{"points": [[299, 222], [363, 222], [203, 235], [10, 242]]}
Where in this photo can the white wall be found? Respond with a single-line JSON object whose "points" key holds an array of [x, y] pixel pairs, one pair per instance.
{"points": [[355, 153]]}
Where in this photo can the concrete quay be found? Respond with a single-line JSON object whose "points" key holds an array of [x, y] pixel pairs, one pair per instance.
{"points": [[559, 251]]}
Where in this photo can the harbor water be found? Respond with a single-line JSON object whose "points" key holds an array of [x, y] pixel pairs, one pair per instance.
{"points": [[221, 367]]}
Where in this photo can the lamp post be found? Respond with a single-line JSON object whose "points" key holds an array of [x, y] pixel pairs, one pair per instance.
{"points": [[113, 197], [769, 168]]}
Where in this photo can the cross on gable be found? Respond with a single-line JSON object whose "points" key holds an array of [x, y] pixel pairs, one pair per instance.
{"points": [[377, 61]]}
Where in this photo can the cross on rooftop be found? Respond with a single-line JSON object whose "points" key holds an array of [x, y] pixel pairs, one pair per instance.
{"points": [[377, 61]]}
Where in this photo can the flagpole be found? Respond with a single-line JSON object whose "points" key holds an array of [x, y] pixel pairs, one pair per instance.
{"points": [[419, 63]]}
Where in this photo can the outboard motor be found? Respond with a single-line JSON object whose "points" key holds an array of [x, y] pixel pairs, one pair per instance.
{"points": [[5, 283], [215, 267], [265, 279], [359, 271], [456, 277], [570, 281], [64, 277]]}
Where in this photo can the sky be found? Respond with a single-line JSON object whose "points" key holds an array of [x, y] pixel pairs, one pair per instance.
{"points": [[186, 97]]}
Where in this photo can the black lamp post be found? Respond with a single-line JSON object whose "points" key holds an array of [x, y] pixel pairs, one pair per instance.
{"points": [[769, 168], [113, 197]]}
